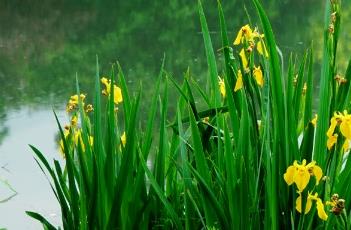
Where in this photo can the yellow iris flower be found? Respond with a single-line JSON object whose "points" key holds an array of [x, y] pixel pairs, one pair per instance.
{"points": [[344, 122], [221, 86], [320, 206], [239, 81], [117, 91], [243, 58], [244, 32], [261, 48], [300, 174], [345, 125], [257, 72]]}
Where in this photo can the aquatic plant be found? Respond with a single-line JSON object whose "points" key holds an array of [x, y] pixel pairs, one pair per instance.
{"points": [[241, 164]]}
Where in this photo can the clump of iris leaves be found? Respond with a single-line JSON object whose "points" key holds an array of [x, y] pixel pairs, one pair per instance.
{"points": [[217, 168]]}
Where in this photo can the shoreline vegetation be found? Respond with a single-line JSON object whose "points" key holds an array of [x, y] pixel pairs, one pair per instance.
{"points": [[257, 157]]}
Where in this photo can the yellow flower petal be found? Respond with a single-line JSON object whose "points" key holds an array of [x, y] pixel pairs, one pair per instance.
{"points": [[247, 32], [346, 145], [345, 128], [243, 58], [302, 176], [221, 86], [289, 175], [299, 204], [104, 81], [117, 95], [238, 37], [331, 141], [244, 32], [320, 210], [257, 72], [107, 84], [318, 173], [308, 205], [239, 82], [261, 48], [333, 123]]}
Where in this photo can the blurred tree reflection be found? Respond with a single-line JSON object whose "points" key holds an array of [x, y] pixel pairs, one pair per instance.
{"points": [[43, 44]]}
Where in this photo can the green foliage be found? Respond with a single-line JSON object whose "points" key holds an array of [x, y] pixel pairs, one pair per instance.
{"points": [[223, 167]]}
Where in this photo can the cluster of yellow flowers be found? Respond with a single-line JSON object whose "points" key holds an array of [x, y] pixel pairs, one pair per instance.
{"points": [[73, 103], [344, 122], [300, 174], [72, 133], [249, 39]]}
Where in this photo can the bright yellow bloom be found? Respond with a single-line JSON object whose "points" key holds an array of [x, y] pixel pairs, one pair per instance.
{"points": [[243, 58], [117, 91], [261, 48], [221, 86], [345, 126], [244, 32], [319, 205], [257, 72], [332, 141], [123, 139], [247, 37], [333, 123], [346, 145], [300, 174], [239, 81], [320, 210], [344, 122]]}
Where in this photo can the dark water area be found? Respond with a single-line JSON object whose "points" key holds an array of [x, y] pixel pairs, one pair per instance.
{"points": [[44, 45]]}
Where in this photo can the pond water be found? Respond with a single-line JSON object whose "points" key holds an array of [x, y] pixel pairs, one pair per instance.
{"points": [[43, 46]]}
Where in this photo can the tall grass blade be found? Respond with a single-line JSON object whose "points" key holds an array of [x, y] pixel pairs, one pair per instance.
{"points": [[211, 60]]}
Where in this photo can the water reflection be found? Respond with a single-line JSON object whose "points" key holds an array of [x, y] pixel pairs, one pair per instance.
{"points": [[43, 46], [27, 126]]}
